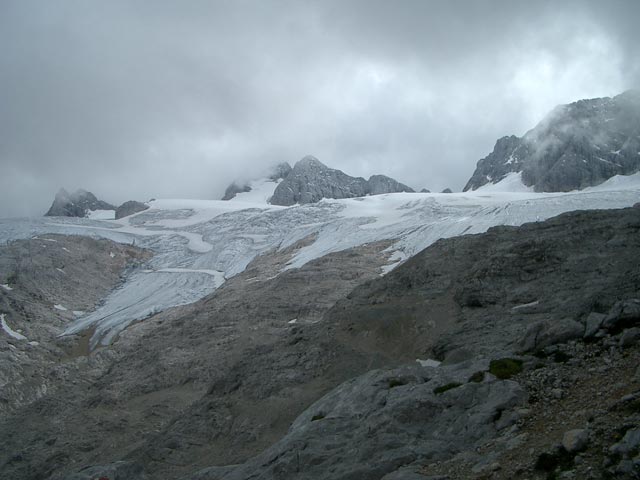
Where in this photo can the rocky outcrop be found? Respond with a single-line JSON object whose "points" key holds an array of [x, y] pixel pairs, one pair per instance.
{"points": [[310, 181], [372, 425], [76, 204], [508, 290], [129, 208], [234, 189], [379, 184], [575, 146]]}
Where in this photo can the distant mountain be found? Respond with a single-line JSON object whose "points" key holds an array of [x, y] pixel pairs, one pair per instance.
{"points": [[76, 204], [310, 181], [576, 146], [279, 172], [129, 208]]}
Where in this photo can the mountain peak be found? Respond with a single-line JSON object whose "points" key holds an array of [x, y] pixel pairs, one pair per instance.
{"points": [[76, 204], [311, 180], [577, 145]]}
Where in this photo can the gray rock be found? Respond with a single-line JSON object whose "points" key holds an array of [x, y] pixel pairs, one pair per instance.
{"points": [[447, 190], [409, 473], [379, 184], [129, 208], [310, 181], [75, 204], [593, 324], [629, 443], [550, 332], [575, 440], [623, 314], [575, 146], [370, 426], [630, 337], [424, 190], [113, 471]]}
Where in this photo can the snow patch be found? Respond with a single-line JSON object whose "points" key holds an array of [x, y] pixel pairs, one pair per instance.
{"points": [[512, 182], [396, 259], [61, 271], [428, 362], [101, 214], [6, 287], [261, 191], [9, 330], [57, 306], [525, 305]]}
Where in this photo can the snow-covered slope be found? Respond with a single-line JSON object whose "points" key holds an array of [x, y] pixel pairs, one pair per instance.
{"points": [[199, 243]]}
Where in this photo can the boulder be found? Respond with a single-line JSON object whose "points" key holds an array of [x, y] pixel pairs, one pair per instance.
{"points": [[550, 332], [623, 314], [593, 324], [576, 440]]}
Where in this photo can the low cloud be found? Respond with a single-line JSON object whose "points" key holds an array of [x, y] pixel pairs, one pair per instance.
{"points": [[176, 99]]}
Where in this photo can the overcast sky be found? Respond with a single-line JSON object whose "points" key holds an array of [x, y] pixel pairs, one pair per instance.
{"points": [[139, 99]]}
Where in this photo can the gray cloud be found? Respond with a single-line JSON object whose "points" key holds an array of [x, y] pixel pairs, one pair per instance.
{"points": [[176, 99]]}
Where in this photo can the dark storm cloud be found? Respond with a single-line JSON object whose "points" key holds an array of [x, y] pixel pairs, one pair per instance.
{"points": [[138, 99]]}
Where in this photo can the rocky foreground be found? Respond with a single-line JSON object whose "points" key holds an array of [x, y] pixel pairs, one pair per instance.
{"points": [[312, 372]]}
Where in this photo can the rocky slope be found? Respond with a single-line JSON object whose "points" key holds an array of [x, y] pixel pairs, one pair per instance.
{"points": [[46, 283], [310, 181], [219, 381], [577, 145], [76, 204]]}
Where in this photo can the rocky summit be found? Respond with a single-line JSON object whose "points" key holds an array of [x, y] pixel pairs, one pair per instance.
{"points": [[76, 204], [310, 181], [576, 146]]}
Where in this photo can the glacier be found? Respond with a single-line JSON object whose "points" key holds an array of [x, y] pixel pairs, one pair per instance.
{"points": [[198, 244]]}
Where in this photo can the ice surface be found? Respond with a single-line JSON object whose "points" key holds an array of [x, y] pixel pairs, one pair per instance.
{"points": [[9, 330], [199, 243], [512, 182], [101, 214], [6, 287], [261, 192]]}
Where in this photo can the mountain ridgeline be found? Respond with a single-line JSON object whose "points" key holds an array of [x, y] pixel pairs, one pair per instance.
{"points": [[310, 181], [576, 146]]}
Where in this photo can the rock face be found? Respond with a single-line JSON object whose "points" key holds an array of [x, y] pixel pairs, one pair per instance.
{"points": [[129, 208], [575, 146], [379, 184], [374, 424], [76, 204], [517, 280], [310, 181]]}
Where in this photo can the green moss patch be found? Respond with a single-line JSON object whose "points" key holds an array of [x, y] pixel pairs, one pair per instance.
{"points": [[505, 368]]}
